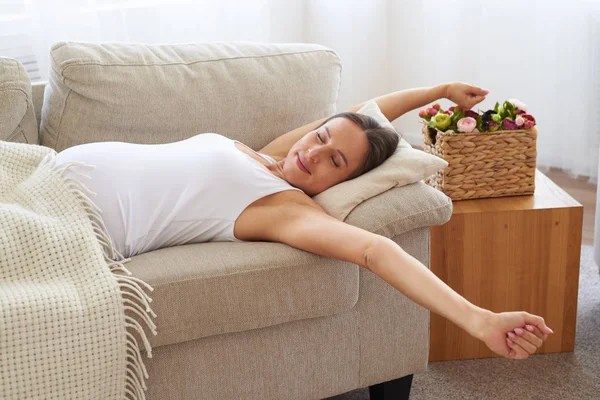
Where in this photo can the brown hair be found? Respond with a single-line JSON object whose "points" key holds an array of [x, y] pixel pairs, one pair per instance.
{"points": [[382, 141]]}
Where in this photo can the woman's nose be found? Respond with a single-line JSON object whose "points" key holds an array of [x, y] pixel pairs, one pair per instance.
{"points": [[313, 155]]}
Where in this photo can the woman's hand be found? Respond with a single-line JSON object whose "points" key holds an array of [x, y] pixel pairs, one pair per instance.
{"points": [[513, 335], [465, 95]]}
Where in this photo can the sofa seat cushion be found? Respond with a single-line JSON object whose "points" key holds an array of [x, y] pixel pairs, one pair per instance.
{"points": [[206, 289]]}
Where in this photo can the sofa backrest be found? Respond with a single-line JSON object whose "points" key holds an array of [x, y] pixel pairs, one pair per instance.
{"points": [[17, 120], [157, 93]]}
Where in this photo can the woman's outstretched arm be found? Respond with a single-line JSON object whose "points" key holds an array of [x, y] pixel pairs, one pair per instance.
{"points": [[310, 229], [395, 104], [392, 105]]}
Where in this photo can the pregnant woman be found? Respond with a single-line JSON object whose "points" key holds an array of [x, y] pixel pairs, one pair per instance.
{"points": [[211, 188]]}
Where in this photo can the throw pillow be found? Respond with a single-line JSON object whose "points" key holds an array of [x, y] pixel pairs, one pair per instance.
{"points": [[405, 166]]}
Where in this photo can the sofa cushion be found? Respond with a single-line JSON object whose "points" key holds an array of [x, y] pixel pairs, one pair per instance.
{"points": [[17, 119], [402, 209], [158, 93], [206, 289]]}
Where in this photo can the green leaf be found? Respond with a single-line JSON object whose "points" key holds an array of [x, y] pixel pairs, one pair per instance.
{"points": [[496, 118], [502, 112], [510, 110], [496, 107], [456, 116], [431, 124]]}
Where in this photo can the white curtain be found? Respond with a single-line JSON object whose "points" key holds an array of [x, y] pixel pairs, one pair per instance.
{"points": [[545, 53]]}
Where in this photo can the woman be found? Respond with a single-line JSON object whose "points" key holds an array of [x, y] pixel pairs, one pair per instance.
{"points": [[211, 188]]}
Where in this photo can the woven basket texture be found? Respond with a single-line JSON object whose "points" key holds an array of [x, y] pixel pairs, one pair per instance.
{"points": [[483, 164]]}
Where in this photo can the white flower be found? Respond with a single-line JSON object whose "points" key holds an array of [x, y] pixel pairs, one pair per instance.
{"points": [[518, 104], [466, 124]]}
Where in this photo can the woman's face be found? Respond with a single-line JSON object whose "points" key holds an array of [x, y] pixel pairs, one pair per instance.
{"points": [[330, 154]]}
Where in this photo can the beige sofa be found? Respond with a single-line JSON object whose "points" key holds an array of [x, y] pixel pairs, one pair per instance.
{"points": [[239, 320]]}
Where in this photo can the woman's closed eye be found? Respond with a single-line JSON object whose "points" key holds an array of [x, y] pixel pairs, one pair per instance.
{"points": [[332, 159], [319, 136]]}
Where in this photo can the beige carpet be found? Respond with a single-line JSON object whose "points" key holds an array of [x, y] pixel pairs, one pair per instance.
{"points": [[545, 376]]}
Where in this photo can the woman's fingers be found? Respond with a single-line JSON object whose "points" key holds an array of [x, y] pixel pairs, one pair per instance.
{"points": [[538, 322], [477, 91], [473, 90], [470, 101], [526, 345], [536, 331], [530, 337], [478, 99], [516, 351], [481, 92]]}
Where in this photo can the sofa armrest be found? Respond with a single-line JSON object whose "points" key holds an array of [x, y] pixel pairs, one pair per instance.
{"points": [[401, 209], [17, 120]]}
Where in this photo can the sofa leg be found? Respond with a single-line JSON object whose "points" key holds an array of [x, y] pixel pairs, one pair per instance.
{"points": [[397, 389]]}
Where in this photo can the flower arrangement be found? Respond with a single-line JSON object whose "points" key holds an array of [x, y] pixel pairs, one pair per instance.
{"points": [[511, 115]]}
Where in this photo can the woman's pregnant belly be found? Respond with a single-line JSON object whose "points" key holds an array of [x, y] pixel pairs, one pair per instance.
{"points": [[140, 189]]}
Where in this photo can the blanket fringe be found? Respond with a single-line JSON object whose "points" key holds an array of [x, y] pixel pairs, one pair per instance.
{"points": [[138, 304]]}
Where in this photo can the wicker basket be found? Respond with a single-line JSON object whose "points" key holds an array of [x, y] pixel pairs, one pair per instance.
{"points": [[483, 164]]}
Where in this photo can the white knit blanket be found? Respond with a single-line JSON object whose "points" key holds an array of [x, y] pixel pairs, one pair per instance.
{"points": [[67, 316]]}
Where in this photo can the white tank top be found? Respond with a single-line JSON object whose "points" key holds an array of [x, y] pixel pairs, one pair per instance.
{"points": [[162, 195]]}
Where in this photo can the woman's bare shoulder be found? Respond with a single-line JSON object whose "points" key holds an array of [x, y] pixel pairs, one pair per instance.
{"points": [[273, 156]]}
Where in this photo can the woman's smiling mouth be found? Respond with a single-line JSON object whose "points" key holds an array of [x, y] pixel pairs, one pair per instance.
{"points": [[300, 165]]}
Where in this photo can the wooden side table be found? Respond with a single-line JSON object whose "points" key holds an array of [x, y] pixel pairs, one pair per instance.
{"points": [[518, 253]]}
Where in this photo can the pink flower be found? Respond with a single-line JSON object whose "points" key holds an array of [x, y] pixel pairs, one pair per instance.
{"points": [[518, 104], [447, 112], [466, 124], [431, 111], [519, 121], [436, 106], [423, 113], [529, 124], [519, 111], [451, 109]]}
